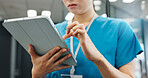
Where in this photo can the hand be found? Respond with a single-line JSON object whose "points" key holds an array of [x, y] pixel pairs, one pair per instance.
{"points": [[88, 48], [77, 30], [47, 63]]}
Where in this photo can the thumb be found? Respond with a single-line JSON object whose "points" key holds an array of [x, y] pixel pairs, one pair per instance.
{"points": [[67, 35], [31, 51]]}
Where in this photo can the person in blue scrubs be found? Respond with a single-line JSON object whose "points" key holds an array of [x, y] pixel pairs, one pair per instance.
{"points": [[108, 49]]}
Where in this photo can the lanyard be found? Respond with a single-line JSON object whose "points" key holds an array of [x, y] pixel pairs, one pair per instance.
{"points": [[71, 45]]}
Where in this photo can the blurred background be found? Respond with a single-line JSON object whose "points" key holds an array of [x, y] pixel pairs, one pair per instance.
{"points": [[15, 61]]}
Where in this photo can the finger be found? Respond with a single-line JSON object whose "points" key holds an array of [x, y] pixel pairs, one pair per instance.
{"points": [[51, 52], [62, 60], [80, 26], [70, 26], [79, 31], [31, 52], [67, 35], [60, 67], [56, 56]]}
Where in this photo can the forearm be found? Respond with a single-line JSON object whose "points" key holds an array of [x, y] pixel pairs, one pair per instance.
{"points": [[108, 71], [105, 68]]}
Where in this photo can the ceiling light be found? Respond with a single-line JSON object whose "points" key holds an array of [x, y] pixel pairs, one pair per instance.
{"points": [[97, 8], [31, 13], [112, 0], [69, 16], [97, 2], [142, 5], [46, 13], [146, 16], [128, 1], [104, 15]]}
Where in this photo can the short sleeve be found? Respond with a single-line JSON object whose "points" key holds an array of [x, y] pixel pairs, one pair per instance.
{"points": [[128, 46]]}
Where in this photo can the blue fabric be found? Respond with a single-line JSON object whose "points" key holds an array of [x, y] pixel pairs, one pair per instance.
{"points": [[112, 37]]}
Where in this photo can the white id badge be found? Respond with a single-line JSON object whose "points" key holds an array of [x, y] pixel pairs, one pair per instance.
{"points": [[71, 76]]}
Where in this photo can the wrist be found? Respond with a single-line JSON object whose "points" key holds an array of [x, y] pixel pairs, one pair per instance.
{"points": [[36, 75]]}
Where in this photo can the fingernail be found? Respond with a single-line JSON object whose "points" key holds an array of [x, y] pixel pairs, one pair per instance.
{"points": [[58, 47], [64, 50], [69, 55]]}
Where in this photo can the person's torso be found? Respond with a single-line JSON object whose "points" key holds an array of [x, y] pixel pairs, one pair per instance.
{"points": [[103, 33]]}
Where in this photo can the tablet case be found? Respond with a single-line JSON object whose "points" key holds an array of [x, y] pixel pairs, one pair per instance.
{"points": [[39, 31]]}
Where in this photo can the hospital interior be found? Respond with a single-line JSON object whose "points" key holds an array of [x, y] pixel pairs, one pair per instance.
{"points": [[15, 62]]}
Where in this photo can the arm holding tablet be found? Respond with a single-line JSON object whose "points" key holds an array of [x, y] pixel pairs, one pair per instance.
{"points": [[47, 48], [42, 65]]}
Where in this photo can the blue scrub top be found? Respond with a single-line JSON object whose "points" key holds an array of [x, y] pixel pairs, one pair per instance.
{"points": [[114, 39]]}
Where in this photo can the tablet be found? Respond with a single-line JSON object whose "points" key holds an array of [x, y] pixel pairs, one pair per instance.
{"points": [[39, 31]]}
